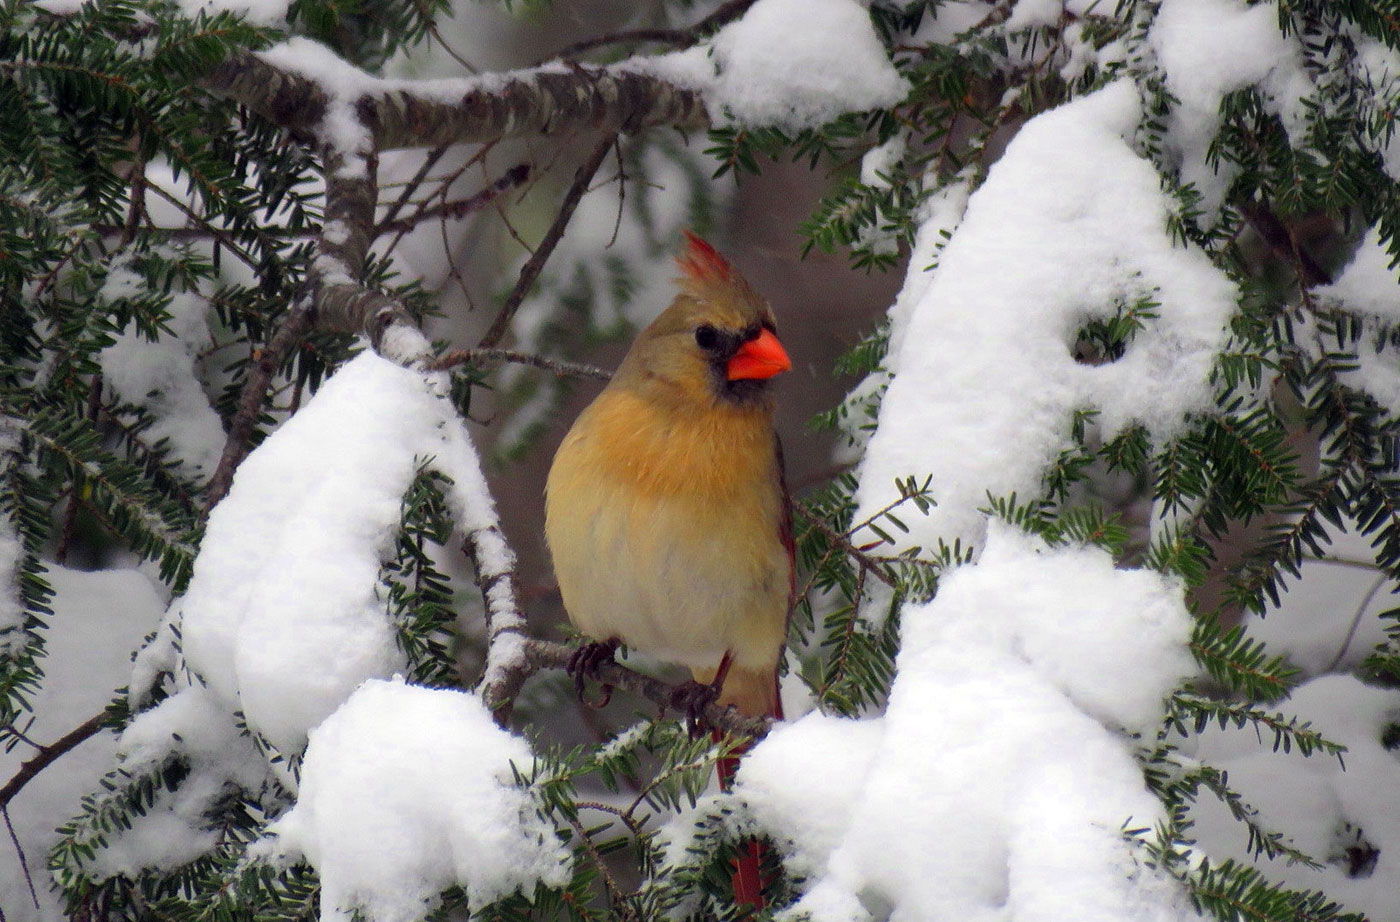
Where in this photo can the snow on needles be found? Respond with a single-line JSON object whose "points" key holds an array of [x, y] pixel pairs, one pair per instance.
{"points": [[406, 791], [284, 616], [997, 785], [765, 70], [1071, 225]]}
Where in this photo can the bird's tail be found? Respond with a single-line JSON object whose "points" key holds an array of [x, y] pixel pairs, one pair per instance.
{"points": [[754, 693]]}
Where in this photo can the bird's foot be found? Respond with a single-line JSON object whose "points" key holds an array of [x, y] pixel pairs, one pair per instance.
{"points": [[693, 698], [584, 664]]}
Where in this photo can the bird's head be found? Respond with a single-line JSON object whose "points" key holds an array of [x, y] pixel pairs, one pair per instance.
{"points": [[718, 339]]}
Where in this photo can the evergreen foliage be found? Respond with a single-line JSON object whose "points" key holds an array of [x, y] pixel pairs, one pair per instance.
{"points": [[93, 101]]}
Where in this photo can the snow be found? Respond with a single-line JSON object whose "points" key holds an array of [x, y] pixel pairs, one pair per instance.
{"points": [[268, 13], [1003, 732], [1069, 223], [1208, 49], [1321, 804], [1369, 287], [406, 791], [11, 608], [761, 71], [1369, 284], [161, 377], [282, 618], [98, 620]]}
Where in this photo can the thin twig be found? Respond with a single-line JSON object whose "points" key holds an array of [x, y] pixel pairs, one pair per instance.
{"points": [[460, 208], [560, 368], [412, 185], [19, 850], [681, 38], [535, 264], [1356, 621], [860, 557], [614, 891]]}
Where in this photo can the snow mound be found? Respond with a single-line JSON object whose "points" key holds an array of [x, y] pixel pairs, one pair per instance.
{"points": [[406, 791], [1070, 226], [999, 783], [793, 64]]}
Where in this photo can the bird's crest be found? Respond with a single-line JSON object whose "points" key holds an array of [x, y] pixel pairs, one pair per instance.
{"points": [[699, 262]]}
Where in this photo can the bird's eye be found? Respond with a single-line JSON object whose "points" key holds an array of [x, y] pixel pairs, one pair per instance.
{"points": [[706, 336]]}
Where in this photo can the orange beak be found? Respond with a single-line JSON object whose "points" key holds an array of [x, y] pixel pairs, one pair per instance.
{"points": [[762, 357]]}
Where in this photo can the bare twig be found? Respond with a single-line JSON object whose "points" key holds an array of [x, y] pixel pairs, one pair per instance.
{"points": [[461, 207], [681, 38], [23, 861], [51, 753], [535, 264], [561, 368]]}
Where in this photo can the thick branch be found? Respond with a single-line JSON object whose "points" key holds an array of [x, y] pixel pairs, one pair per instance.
{"points": [[545, 101], [255, 387]]}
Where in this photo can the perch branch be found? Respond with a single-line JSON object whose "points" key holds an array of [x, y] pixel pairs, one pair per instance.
{"points": [[561, 368]]}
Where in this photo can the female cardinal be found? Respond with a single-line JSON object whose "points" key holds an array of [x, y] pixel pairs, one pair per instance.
{"points": [[665, 509]]}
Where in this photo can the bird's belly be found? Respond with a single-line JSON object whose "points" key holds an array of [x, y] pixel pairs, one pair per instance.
{"points": [[674, 577]]}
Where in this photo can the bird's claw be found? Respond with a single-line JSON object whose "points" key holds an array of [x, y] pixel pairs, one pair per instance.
{"points": [[584, 664], [693, 698]]}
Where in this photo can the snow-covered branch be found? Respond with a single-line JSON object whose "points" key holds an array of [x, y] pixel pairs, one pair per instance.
{"points": [[550, 100]]}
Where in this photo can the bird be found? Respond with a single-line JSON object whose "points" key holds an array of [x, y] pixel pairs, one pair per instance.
{"points": [[666, 510]]}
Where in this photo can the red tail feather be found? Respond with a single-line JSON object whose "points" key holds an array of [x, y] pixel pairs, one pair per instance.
{"points": [[747, 879]]}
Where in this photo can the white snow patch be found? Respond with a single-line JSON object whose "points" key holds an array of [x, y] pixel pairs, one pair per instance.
{"points": [[98, 620], [1210, 48], [789, 63], [1369, 284], [283, 618], [161, 377], [268, 13], [1070, 224], [1001, 733], [11, 608], [406, 791]]}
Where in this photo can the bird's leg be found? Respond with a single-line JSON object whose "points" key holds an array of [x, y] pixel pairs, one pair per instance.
{"points": [[693, 697], [584, 664]]}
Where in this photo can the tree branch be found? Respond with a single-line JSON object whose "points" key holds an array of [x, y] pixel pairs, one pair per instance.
{"points": [[460, 208], [544, 101], [544, 654], [561, 368], [50, 754], [535, 264]]}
